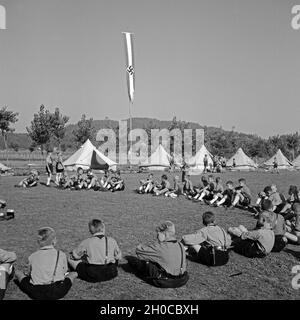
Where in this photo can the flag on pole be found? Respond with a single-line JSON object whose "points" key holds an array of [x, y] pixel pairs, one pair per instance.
{"points": [[130, 72]]}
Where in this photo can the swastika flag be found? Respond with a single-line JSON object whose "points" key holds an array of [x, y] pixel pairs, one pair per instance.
{"points": [[130, 71]]}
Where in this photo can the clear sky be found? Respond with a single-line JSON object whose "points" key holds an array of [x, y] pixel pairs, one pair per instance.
{"points": [[229, 63]]}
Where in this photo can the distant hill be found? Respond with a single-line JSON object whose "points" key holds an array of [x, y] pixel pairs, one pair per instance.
{"points": [[23, 141], [217, 140]]}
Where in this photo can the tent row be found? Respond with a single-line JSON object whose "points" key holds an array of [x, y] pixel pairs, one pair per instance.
{"points": [[160, 160], [88, 156]]}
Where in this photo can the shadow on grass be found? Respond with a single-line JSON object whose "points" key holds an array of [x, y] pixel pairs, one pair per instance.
{"points": [[295, 254], [129, 268]]}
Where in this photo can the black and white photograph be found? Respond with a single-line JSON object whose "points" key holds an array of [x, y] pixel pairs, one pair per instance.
{"points": [[149, 151]]}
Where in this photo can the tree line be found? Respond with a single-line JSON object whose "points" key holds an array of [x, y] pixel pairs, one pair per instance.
{"points": [[51, 129]]}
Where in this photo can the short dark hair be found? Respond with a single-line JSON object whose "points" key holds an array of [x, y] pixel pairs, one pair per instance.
{"points": [[164, 176], [96, 225], [266, 204], [242, 180], [46, 236], [208, 217], [293, 190], [267, 189], [211, 176], [229, 182]]}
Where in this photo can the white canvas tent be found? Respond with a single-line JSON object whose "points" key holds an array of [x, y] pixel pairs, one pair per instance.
{"points": [[88, 157], [4, 168], [242, 161], [159, 160], [283, 162], [296, 163], [196, 162]]}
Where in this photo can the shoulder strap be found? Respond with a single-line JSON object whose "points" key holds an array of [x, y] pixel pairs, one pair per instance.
{"points": [[106, 247], [56, 263], [181, 265], [106, 250], [225, 242]]}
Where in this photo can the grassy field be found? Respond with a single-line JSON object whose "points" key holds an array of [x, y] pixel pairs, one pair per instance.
{"points": [[131, 219]]}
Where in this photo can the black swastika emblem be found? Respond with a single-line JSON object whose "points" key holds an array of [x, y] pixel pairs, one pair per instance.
{"points": [[130, 70]]}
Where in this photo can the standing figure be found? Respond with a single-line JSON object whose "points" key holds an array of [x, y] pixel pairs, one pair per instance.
{"points": [[59, 168], [49, 167]]}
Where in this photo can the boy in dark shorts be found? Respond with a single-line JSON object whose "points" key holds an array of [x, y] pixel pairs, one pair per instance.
{"points": [[177, 189], [49, 167], [242, 196], [198, 244], [225, 198], [253, 244], [208, 192], [47, 278], [162, 263], [163, 187], [96, 258], [30, 181]]}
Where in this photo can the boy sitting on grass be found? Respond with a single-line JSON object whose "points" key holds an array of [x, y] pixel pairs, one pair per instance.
{"points": [[187, 188], [225, 198], [208, 192], [277, 224], [293, 227], [176, 191], [7, 259], [96, 258], [47, 277], [198, 243], [162, 263], [163, 187], [147, 185], [242, 197], [201, 186], [253, 244], [91, 179], [30, 181], [117, 183]]}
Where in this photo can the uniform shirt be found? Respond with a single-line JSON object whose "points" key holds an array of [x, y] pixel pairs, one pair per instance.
{"points": [[42, 265], [246, 191], [211, 186], [49, 159], [276, 222], [212, 234], [229, 193], [275, 198], [94, 250], [165, 185], [168, 254], [264, 237], [177, 187], [219, 188], [7, 256]]}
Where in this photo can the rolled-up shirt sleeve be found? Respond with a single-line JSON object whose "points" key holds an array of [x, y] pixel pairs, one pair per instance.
{"points": [[80, 251], [117, 251], [194, 238], [148, 252], [7, 256], [252, 235]]}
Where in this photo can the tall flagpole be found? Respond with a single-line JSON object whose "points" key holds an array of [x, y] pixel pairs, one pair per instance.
{"points": [[130, 73], [130, 129]]}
